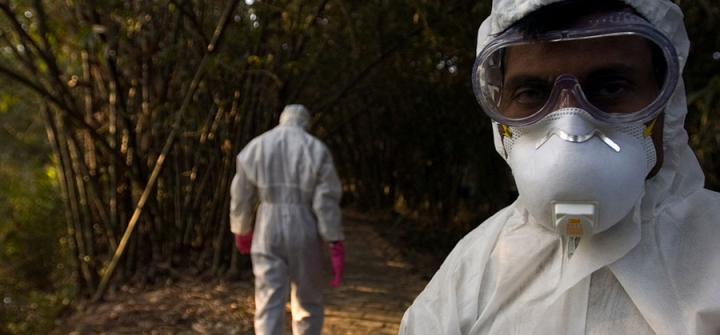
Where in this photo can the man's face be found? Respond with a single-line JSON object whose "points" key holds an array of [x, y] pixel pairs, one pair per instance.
{"points": [[615, 73]]}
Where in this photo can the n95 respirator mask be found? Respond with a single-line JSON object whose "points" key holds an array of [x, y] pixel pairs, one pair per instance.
{"points": [[578, 175]]}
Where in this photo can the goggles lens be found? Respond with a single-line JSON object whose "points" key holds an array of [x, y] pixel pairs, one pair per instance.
{"points": [[618, 74]]}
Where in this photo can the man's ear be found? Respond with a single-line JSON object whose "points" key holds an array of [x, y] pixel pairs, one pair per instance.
{"points": [[657, 138]]}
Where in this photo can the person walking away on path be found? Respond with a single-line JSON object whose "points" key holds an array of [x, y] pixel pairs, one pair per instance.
{"points": [[612, 231], [292, 174]]}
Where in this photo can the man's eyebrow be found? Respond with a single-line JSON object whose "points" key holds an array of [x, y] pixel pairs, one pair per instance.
{"points": [[524, 79], [613, 69]]}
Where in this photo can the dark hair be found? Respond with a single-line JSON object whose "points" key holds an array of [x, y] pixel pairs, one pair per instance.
{"points": [[564, 14]]}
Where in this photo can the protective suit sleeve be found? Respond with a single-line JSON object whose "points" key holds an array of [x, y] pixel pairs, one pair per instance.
{"points": [[326, 201], [435, 310], [242, 197]]}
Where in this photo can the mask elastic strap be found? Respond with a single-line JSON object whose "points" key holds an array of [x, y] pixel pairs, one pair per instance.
{"points": [[504, 131], [649, 129]]}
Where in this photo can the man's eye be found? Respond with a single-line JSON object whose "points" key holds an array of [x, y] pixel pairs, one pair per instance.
{"points": [[529, 95], [609, 89]]}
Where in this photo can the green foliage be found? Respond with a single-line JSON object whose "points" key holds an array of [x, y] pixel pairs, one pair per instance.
{"points": [[34, 265], [35, 271], [21, 129], [6, 101], [31, 313]]}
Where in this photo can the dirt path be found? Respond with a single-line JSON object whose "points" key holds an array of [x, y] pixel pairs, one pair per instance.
{"points": [[376, 290], [377, 286]]}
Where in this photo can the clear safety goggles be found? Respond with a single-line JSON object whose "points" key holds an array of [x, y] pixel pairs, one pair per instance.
{"points": [[614, 92]]}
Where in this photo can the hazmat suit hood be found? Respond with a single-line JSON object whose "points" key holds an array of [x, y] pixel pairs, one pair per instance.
{"points": [[655, 272], [295, 115], [680, 173]]}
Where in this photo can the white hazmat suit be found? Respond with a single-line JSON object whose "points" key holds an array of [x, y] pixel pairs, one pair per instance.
{"points": [[655, 272], [293, 175]]}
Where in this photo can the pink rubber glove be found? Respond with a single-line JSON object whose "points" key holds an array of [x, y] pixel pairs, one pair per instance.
{"points": [[337, 260], [244, 242]]}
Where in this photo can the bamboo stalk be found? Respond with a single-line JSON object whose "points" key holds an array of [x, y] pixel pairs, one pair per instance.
{"points": [[72, 198], [87, 229], [198, 198], [222, 229], [112, 165], [193, 176], [52, 138], [177, 209], [172, 46], [90, 159], [223, 213], [92, 188]]}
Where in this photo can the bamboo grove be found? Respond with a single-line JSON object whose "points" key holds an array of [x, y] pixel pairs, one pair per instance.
{"points": [[145, 104]]}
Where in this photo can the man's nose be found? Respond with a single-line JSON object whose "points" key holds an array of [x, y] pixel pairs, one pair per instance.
{"points": [[566, 99]]}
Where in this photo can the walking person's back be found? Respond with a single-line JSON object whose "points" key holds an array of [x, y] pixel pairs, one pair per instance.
{"points": [[292, 174]]}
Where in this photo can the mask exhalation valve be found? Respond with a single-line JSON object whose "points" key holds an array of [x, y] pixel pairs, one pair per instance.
{"points": [[574, 218]]}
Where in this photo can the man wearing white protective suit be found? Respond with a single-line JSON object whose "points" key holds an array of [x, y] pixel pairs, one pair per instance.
{"points": [[612, 232], [293, 175]]}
